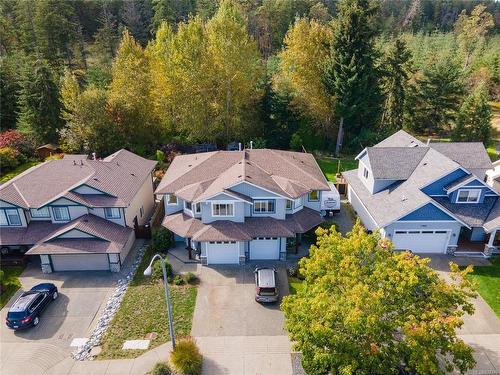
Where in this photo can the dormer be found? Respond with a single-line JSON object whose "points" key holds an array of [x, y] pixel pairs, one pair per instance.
{"points": [[380, 167], [468, 190]]}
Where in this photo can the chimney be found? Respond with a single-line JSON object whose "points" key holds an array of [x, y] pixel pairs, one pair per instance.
{"points": [[251, 145], [81, 162], [239, 146], [93, 156]]}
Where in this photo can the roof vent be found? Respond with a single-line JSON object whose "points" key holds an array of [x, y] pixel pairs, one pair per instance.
{"points": [[96, 179], [425, 163], [239, 176], [190, 165], [132, 174], [403, 198], [85, 220], [81, 162], [74, 162]]}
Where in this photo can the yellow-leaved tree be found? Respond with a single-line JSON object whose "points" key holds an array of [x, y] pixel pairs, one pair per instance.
{"points": [[366, 309]]}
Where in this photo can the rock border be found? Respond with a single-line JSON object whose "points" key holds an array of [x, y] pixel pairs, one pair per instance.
{"points": [[112, 306]]}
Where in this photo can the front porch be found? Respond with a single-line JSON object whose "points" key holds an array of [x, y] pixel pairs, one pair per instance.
{"points": [[489, 246]]}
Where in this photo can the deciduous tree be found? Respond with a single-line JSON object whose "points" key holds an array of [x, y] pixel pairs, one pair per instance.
{"points": [[364, 309]]}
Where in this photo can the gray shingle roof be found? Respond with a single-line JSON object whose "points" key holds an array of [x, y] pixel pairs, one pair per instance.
{"points": [[199, 176], [120, 175], [472, 214], [394, 163], [400, 139], [470, 155], [493, 219]]}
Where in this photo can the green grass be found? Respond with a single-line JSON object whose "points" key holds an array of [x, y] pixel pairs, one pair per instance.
{"points": [[492, 152], [294, 284], [143, 310], [10, 283], [6, 177], [330, 167], [488, 283]]}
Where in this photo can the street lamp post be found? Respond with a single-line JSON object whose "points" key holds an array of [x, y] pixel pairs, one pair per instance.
{"points": [[147, 272]]}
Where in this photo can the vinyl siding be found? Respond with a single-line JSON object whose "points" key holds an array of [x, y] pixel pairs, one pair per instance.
{"points": [[252, 191], [206, 212], [363, 214], [454, 227], [429, 212], [144, 197], [171, 209], [85, 189], [100, 212], [437, 187]]}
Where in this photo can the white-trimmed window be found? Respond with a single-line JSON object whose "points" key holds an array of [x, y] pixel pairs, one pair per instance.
{"points": [[42, 212], [197, 208], [171, 199], [468, 195], [112, 213], [289, 204], [10, 216], [222, 209], [313, 196], [188, 206], [60, 213], [365, 173], [264, 206]]}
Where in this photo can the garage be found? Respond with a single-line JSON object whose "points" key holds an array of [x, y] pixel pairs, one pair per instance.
{"points": [[80, 262], [421, 241], [263, 248], [223, 252]]}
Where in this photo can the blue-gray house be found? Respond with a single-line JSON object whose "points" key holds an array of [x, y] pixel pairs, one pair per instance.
{"points": [[428, 198]]}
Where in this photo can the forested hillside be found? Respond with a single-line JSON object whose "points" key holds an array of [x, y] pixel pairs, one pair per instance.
{"points": [[94, 76]]}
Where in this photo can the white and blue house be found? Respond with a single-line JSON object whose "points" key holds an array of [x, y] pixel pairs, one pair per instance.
{"points": [[428, 198]]}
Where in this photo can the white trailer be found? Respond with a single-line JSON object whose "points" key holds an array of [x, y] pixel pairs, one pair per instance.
{"points": [[330, 200]]}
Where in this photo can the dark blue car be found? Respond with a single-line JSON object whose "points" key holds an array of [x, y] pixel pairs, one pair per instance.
{"points": [[25, 312]]}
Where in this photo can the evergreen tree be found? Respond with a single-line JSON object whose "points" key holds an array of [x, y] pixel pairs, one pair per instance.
{"points": [[396, 66], [474, 119], [435, 98], [106, 38], [134, 15], [38, 101], [9, 88], [351, 75]]}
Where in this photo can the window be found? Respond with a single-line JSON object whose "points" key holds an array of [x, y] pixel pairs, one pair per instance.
{"points": [[60, 213], [141, 211], [188, 206], [171, 199], [39, 213], [289, 204], [313, 196], [112, 213], [197, 208], [468, 196], [365, 173], [222, 209], [261, 207], [10, 217]]}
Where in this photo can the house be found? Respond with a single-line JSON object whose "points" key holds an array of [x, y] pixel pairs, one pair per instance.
{"points": [[76, 213], [233, 206], [47, 150], [428, 198], [493, 176]]}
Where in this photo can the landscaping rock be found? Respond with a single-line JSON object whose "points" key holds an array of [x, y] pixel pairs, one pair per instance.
{"points": [[85, 352]]}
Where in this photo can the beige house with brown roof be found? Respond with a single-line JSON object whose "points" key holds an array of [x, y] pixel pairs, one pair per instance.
{"points": [[233, 206], [76, 213]]}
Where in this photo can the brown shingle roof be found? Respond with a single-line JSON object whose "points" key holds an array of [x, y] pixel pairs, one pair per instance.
{"points": [[223, 230], [119, 175], [198, 176]]}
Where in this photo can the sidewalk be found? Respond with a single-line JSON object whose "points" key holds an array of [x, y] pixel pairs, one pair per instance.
{"points": [[137, 366]]}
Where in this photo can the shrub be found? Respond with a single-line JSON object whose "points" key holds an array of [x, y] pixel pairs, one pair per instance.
{"points": [[186, 357], [178, 280], [8, 158], [162, 240], [161, 368], [157, 273], [190, 278]]}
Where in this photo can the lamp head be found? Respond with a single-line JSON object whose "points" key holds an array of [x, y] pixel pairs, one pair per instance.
{"points": [[148, 271]]}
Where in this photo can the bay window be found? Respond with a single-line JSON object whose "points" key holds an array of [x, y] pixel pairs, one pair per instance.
{"points": [[60, 213], [222, 209], [263, 206], [42, 212], [112, 213]]}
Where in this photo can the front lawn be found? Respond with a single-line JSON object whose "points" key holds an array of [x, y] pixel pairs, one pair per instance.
{"points": [[294, 284], [331, 167], [10, 283], [6, 177], [143, 311], [488, 283]]}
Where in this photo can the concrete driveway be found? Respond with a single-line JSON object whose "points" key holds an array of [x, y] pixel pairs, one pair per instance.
{"points": [[481, 330], [236, 334], [82, 295]]}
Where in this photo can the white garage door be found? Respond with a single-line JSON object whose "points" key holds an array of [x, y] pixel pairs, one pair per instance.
{"points": [[223, 252], [80, 262], [421, 241], [265, 248]]}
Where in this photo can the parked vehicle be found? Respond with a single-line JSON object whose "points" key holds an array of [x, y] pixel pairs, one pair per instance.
{"points": [[330, 200], [266, 289], [25, 312]]}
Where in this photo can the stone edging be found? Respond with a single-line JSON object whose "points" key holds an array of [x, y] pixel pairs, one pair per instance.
{"points": [[112, 305]]}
